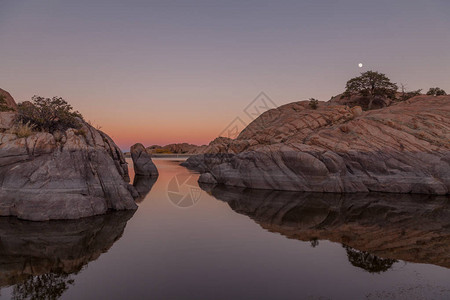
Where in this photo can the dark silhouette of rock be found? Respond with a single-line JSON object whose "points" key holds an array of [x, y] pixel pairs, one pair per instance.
{"points": [[375, 228], [142, 161], [143, 186]]}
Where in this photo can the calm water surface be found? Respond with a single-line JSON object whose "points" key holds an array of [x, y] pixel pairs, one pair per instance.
{"points": [[222, 243]]}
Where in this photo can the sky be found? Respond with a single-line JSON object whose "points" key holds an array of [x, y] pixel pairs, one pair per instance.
{"points": [[160, 72]]}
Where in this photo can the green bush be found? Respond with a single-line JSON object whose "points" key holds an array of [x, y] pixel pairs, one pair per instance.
{"points": [[313, 103], [371, 84], [407, 95], [436, 92], [49, 115]]}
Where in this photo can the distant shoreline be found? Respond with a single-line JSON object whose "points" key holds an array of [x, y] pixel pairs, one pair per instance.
{"points": [[166, 155]]}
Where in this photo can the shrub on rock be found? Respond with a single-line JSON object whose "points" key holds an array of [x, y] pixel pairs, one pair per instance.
{"points": [[436, 91], [313, 103], [49, 114]]}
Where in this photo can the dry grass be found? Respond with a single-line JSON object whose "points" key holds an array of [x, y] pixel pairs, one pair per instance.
{"points": [[22, 130]]}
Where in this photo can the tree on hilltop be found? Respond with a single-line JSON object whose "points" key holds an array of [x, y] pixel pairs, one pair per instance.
{"points": [[49, 114], [372, 85], [435, 91]]}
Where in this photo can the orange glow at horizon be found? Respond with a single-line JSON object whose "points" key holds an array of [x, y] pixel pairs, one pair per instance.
{"points": [[126, 131], [125, 137], [164, 119]]}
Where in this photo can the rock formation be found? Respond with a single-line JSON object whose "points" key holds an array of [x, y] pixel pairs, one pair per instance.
{"points": [[64, 175], [414, 228], [54, 249], [7, 120], [8, 98], [142, 161], [403, 148]]}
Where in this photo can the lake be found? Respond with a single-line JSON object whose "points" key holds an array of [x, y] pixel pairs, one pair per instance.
{"points": [[187, 242]]}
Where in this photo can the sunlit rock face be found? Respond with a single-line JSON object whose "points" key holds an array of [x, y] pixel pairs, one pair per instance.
{"points": [[39, 257], [375, 228], [403, 148], [64, 175]]}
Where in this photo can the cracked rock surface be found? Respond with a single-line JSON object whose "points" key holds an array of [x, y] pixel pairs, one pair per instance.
{"points": [[64, 175], [403, 148]]}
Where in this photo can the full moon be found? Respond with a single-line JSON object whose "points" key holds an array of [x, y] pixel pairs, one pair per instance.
{"points": [[360, 65]]}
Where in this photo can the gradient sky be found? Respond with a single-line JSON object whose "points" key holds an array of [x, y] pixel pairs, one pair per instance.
{"points": [[160, 72]]}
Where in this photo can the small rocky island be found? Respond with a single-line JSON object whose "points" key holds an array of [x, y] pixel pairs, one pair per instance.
{"points": [[345, 146], [64, 171]]}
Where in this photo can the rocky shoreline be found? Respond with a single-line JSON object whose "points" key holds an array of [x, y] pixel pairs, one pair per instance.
{"points": [[62, 175], [403, 148]]}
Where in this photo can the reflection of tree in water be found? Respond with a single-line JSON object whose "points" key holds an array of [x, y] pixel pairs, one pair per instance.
{"points": [[314, 242], [38, 258], [46, 286], [368, 261]]}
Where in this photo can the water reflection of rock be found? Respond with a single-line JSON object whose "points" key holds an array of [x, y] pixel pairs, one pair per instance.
{"points": [[143, 185], [413, 228], [38, 257]]}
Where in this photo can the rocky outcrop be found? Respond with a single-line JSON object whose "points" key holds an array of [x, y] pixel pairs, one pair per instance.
{"points": [[7, 120], [30, 250], [9, 99], [179, 148], [62, 175], [414, 228], [142, 161], [403, 148]]}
